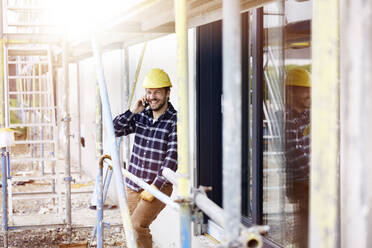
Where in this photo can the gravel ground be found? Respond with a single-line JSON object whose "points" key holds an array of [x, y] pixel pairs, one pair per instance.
{"points": [[57, 237]]}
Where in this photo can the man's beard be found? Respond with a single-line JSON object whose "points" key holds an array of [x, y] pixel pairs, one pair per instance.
{"points": [[160, 106]]}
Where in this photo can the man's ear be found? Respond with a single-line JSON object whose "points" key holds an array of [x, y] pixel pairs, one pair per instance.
{"points": [[168, 93]]}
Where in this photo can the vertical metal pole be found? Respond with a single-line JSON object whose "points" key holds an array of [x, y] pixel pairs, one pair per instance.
{"points": [[99, 139], [66, 120], [183, 120], [106, 182], [125, 97], [106, 185], [128, 228], [2, 95], [2, 117], [324, 169], [5, 195], [99, 136], [53, 146], [41, 115], [79, 118], [257, 103], [42, 147], [33, 97], [10, 190], [232, 119], [99, 187], [6, 85], [356, 119]]}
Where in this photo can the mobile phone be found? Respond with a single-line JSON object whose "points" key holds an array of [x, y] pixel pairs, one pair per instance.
{"points": [[145, 104]]}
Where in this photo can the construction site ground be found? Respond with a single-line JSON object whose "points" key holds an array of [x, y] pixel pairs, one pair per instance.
{"points": [[43, 226]]}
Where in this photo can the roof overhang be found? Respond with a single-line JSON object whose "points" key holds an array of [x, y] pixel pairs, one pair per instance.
{"points": [[150, 19]]}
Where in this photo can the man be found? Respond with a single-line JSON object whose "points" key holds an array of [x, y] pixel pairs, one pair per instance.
{"points": [[297, 130], [154, 148]]}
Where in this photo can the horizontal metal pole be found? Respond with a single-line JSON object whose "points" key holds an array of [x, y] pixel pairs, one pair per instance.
{"points": [[28, 92], [26, 160], [27, 8], [210, 208], [31, 108], [27, 52], [26, 227], [24, 142], [158, 194], [23, 62], [32, 125], [25, 24], [41, 178], [201, 200], [34, 38], [28, 77], [44, 195]]}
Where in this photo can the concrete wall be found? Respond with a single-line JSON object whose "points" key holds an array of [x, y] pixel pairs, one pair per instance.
{"points": [[161, 53]]}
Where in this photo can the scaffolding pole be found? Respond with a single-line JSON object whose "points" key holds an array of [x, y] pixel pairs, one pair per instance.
{"points": [[2, 95], [125, 97], [5, 194], [66, 120], [6, 85], [100, 202], [356, 119], [2, 107], [324, 126], [183, 121], [231, 109], [78, 118], [119, 182]]}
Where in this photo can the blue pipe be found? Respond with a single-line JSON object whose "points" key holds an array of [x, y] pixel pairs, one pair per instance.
{"points": [[5, 195], [8, 165], [106, 185], [99, 223]]}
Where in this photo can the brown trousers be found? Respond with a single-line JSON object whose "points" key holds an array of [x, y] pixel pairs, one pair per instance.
{"points": [[143, 213]]}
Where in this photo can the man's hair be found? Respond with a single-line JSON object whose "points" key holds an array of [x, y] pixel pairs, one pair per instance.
{"points": [[166, 89]]}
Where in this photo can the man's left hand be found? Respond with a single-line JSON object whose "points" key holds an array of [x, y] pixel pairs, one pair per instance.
{"points": [[145, 195]]}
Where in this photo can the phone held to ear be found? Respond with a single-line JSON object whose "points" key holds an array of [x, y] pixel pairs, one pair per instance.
{"points": [[145, 103]]}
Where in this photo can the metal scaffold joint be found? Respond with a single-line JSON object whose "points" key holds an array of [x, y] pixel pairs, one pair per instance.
{"points": [[66, 119], [69, 179]]}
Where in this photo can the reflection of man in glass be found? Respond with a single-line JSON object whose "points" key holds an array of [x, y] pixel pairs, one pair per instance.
{"points": [[297, 130]]}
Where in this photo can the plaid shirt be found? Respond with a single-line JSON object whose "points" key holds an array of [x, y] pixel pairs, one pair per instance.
{"points": [[297, 132], [155, 144]]}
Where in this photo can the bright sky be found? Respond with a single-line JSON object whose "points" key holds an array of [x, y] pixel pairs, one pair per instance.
{"points": [[79, 17]]}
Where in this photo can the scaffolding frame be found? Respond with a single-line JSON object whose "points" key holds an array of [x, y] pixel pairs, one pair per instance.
{"points": [[231, 15]]}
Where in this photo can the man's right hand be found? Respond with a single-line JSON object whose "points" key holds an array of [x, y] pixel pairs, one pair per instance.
{"points": [[139, 105]]}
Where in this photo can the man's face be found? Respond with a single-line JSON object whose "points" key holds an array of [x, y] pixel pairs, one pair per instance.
{"points": [[157, 98], [302, 97]]}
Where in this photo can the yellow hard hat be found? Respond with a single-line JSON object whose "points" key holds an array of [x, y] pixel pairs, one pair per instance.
{"points": [[298, 77], [157, 78]]}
